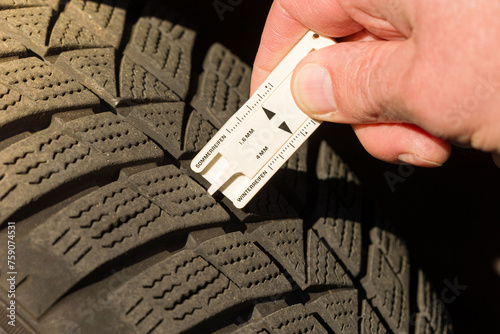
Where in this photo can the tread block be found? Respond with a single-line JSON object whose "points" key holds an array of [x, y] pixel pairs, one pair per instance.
{"points": [[178, 195], [293, 319], [14, 108], [53, 158], [29, 26], [245, 265], [386, 291], [236, 73], [392, 247], [105, 17], [215, 99], [137, 85], [94, 68], [265, 308], [370, 323], [83, 24], [94, 230], [199, 131], [174, 295], [337, 225], [163, 122], [40, 81], [284, 241], [9, 47], [111, 136], [163, 47], [432, 316], [323, 268], [269, 203], [31, 88], [7, 4], [341, 234], [160, 121], [70, 33], [224, 85], [29, 166], [339, 309]]}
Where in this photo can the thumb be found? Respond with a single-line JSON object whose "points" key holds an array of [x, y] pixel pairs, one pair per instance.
{"points": [[355, 82]]}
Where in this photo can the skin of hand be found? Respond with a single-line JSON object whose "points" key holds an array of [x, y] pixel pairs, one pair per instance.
{"points": [[410, 76]]}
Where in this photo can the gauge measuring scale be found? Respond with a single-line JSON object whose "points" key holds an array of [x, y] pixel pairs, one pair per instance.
{"points": [[262, 135]]}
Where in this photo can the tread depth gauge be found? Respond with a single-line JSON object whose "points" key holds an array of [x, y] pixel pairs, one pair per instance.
{"points": [[262, 135]]}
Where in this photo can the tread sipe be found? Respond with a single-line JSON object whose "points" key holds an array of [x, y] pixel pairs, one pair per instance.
{"points": [[102, 105]]}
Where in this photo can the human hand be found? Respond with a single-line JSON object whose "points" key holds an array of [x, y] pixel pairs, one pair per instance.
{"points": [[411, 76]]}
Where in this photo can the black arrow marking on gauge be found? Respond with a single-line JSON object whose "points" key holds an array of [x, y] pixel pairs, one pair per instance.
{"points": [[269, 113], [285, 127]]}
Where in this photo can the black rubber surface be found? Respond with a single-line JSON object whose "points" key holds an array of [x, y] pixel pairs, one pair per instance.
{"points": [[103, 104]]}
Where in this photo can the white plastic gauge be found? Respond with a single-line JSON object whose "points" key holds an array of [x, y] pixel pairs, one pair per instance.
{"points": [[260, 137]]}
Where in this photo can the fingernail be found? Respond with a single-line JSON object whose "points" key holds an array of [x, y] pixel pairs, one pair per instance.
{"points": [[313, 90], [413, 159], [496, 265], [496, 159]]}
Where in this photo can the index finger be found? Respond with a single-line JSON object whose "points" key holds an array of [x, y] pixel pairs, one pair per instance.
{"points": [[288, 22]]}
